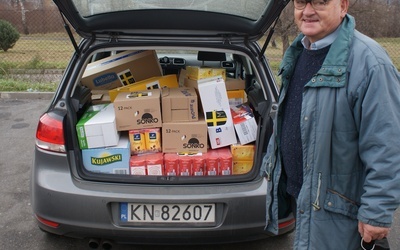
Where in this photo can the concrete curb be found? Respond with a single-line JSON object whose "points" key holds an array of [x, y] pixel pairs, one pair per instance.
{"points": [[27, 95]]}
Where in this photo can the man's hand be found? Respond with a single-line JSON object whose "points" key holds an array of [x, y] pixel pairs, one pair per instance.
{"points": [[369, 232]]}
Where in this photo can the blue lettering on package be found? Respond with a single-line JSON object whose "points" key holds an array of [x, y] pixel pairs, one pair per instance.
{"points": [[105, 79], [124, 212]]}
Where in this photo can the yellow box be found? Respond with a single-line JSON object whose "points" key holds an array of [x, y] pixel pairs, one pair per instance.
{"points": [[198, 73], [242, 167], [158, 82], [236, 97], [242, 152]]}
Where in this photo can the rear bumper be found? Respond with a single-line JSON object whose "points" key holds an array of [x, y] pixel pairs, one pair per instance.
{"points": [[91, 209]]}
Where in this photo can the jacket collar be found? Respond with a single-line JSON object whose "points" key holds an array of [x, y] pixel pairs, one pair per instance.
{"points": [[333, 70]]}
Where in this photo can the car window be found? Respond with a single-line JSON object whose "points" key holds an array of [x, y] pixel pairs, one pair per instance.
{"points": [[252, 9]]}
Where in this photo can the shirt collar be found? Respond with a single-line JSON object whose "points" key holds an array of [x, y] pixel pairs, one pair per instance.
{"points": [[324, 42]]}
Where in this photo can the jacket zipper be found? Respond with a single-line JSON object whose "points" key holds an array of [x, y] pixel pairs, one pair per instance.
{"points": [[316, 202]]}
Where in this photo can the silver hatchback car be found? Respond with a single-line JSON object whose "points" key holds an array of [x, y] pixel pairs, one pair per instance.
{"points": [[72, 195]]}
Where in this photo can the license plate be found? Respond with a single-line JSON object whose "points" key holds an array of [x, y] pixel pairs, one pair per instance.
{"points": [[167, 213]]}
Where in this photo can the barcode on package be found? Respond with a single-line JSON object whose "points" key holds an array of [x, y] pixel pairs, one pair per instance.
{"points": [[120, 171]]}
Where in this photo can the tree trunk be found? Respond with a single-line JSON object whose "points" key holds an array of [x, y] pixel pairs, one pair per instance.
{"points": [[23, 17]]}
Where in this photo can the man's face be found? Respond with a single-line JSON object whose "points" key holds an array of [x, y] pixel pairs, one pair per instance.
{"points": [[316, 24]]}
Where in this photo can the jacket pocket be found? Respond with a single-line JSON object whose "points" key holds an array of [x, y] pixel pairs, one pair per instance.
{"points": [[338, 203]]}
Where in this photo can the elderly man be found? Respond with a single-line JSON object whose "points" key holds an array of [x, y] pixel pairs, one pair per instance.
{"points": [[335, 148]]}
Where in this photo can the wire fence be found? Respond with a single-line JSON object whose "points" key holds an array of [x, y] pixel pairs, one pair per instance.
{"points": [[44, 44]]}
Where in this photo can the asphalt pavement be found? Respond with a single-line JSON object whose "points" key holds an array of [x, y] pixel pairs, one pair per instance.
{"points": [[19, 115]]}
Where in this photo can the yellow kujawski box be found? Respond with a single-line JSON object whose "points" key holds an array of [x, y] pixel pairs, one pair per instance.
{"points": [[157, 82]]}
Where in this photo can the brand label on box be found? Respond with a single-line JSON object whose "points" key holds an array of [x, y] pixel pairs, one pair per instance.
{"points": [[138, 110]]}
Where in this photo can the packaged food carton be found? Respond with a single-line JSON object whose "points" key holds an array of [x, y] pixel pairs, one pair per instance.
{"points": [[157, 82], [147, 164], [185, 137], [121, 69], [215, 104], [179, 104], [242, 156], [137, 110], [230, 83], [111, 160], [155, 164], [245, 123], [225, 161], [236, 97], [171, 164], [137, 165], [97, 127], [198, 73], [146, 140]]}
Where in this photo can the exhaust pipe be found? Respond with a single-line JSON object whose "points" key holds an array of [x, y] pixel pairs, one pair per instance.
{"points": [[94, 243], [106, 245]]}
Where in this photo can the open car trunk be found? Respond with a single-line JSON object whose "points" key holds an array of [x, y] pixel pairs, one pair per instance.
{"points": [[212, 134]]}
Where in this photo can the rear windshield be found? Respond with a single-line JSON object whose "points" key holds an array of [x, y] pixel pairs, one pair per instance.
{"points": [[251, 9]]}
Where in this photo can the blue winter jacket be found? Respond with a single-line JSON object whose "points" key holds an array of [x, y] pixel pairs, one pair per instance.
{"points": [[350, 131]]}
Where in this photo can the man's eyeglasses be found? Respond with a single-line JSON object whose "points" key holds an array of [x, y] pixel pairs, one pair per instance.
{"points": [[316, 4]]}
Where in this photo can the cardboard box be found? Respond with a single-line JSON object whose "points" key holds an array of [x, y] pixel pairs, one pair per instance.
{"points": [[214, 100], [230, 83], [121, 69], [245, 123], [198, 73], [184, 137], [111, 160], [97, 127], [234, 83], [242, 156], [179, 104], [236, 97], [100, 97], [157, 82], [136, 110], [241, 167], [243, 152]]}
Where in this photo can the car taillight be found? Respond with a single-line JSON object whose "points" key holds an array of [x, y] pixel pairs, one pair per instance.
{"points": [[50, 134]]}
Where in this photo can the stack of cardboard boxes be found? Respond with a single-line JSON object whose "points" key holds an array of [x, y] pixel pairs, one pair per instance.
{"points": [[144, 123]]}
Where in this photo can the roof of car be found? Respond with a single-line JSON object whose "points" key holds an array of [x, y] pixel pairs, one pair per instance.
{"points": [[178, 17]]}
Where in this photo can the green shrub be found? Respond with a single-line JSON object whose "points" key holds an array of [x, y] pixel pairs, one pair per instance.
{"points": [[8, 35]]}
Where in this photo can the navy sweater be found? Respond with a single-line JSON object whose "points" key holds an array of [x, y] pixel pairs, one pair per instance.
{"points": [[308, 64]]}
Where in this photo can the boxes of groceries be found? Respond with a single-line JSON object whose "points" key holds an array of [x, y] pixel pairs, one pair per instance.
{"points": [[198, 73], [185, 137], [97, 127], [217, 112], [157, 82], [242, 156], [245, 123], [121, 69], [146, 140], [137, 110], [147, 164], [179, 104], [111, 160]]}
